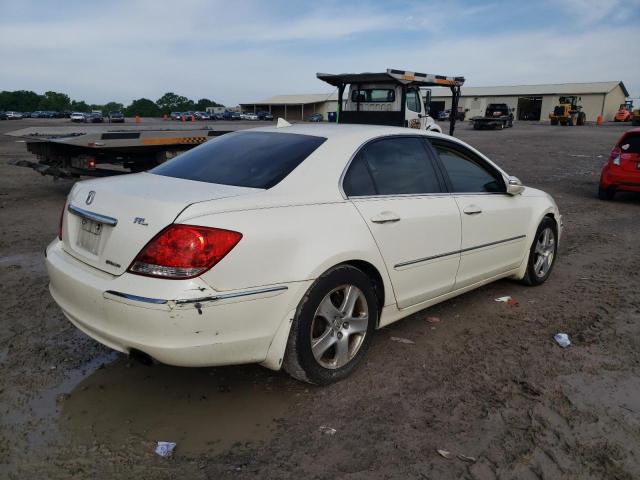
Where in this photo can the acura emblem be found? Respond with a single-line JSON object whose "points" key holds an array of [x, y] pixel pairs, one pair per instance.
{"points": [[90, 197]]}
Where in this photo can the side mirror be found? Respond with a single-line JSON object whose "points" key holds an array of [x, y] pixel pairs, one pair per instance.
{"points": [[514, 186]]}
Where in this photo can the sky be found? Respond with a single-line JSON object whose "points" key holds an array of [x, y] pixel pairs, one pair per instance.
{"points": [[243, 51]]}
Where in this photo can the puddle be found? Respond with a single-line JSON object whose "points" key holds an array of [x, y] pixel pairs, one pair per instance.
{"points": [[203, 410]]}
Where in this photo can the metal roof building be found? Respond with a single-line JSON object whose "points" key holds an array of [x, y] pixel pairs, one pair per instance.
{"points": [[531, 102], [535, 102], [296, 107]]}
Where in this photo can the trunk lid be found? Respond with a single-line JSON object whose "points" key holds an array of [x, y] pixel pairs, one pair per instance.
{"points": [[108, 221]]}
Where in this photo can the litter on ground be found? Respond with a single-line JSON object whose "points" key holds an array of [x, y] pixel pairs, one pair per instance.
{"points": [[503, 299], [433, 319], [402, 340], [165, 449], [445, 453], [327, 430], [562, 339]]}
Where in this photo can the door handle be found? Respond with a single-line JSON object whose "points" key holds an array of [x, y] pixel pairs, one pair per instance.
{"points": [[386, 217], [472, 210]]}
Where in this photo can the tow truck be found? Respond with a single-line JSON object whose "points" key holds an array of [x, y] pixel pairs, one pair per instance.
{"points": [[391, 98], [497, 115]]}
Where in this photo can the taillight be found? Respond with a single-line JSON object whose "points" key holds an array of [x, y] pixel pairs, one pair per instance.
{"points": [[615, 156], [64, 207], [184, 251]]}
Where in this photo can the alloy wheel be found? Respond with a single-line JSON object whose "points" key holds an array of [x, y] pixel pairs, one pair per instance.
{"points": [[339, 326], [544, 252]]}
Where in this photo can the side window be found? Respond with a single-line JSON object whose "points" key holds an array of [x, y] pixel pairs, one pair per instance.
{"points": [[358, 181], [413, 101], [466, 175], [397, 166]]}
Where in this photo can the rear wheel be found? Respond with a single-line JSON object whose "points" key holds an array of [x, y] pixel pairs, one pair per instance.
{"points": [[542, 254], [332, 330], [606, 193]]}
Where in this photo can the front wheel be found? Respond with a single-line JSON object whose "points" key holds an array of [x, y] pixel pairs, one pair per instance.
{"points": [[333, 326], [542, 254]]}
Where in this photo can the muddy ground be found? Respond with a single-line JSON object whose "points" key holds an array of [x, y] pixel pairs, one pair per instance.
{"points": [[486, 382]]}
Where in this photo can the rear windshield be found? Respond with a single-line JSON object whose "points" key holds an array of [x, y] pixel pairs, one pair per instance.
{"points": [[243, 159], [373, 95], [631, 143]]}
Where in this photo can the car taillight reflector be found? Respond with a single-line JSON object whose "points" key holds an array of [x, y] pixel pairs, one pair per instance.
{"points": [[184, 251], [615, 156]]}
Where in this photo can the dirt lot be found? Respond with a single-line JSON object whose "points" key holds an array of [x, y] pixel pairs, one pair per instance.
{"points": [[486, 382]]}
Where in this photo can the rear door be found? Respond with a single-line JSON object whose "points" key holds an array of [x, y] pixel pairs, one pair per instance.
{"points": [[494, 224], [400, 194]]}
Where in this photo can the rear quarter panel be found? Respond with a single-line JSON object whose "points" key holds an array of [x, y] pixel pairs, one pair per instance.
{"points": [[291, 244]]}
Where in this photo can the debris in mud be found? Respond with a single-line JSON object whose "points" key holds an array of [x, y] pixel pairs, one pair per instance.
{"points": [[448, 455], [562, 339], [512, 302], [402, 340], [433, 319], [62, 397], [327, 430], [445, 453], [465, 458], [165, 449]]}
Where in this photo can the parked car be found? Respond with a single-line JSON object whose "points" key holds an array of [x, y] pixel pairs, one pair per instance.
{"points": [[251, 116], [264, 115], [3, 115], [175, 115], [26, 114], [622, 170], [202, 116], [78, 117], [228, 115], [36, 114], [95, 118], [219, 115], [446, 114], [316, 117], [13, 115], [116, 117], [205, 276]]}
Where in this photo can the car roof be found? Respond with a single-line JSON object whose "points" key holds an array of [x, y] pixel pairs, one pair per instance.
{"points": [[345, 131]]}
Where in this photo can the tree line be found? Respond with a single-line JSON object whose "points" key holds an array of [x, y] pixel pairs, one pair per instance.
{"points": [[28, 101]]}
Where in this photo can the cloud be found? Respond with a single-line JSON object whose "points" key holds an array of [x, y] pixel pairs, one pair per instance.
{"points": [[246, 51]]}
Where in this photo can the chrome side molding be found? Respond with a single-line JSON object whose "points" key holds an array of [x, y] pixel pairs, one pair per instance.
{"points": [[96, 217], [193, 301]]}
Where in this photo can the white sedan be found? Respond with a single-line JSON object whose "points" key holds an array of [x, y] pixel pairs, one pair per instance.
{"points": [[289, 246]]}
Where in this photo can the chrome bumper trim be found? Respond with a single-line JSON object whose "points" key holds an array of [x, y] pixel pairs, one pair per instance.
{"points": [[190, 301], [96, 217]]}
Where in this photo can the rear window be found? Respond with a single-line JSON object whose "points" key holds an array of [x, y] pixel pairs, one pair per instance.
{"points": [[630, 143], [373, 95], [243, 159]]}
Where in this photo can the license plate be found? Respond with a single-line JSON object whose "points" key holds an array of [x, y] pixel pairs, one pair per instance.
{"points": [[89, 235]]}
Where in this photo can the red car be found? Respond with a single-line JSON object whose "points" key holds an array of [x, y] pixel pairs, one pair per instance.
{"points": [[622, 171]]}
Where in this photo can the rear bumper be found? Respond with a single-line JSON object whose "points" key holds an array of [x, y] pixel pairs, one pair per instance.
{"points": [[184, 323], [619, 179]]}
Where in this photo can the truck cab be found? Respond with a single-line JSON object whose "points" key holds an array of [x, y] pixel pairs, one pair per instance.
{"points": [[390, 98]]}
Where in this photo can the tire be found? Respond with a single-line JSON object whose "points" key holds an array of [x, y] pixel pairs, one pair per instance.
{"points": [[542, 248], [606, 193], [342, 341]]}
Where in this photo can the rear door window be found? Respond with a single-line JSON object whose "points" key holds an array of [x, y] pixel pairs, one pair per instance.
{"points": [[243, 159], [392, 166]]}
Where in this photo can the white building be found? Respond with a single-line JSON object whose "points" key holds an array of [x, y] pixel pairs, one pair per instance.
{"points": [[296, 107], [535, 102]]}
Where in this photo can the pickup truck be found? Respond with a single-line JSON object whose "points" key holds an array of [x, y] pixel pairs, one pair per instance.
{"points": [[390, 98], [497, 115]]}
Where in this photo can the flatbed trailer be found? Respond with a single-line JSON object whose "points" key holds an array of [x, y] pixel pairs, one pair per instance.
{"points": [[98, 151]]}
